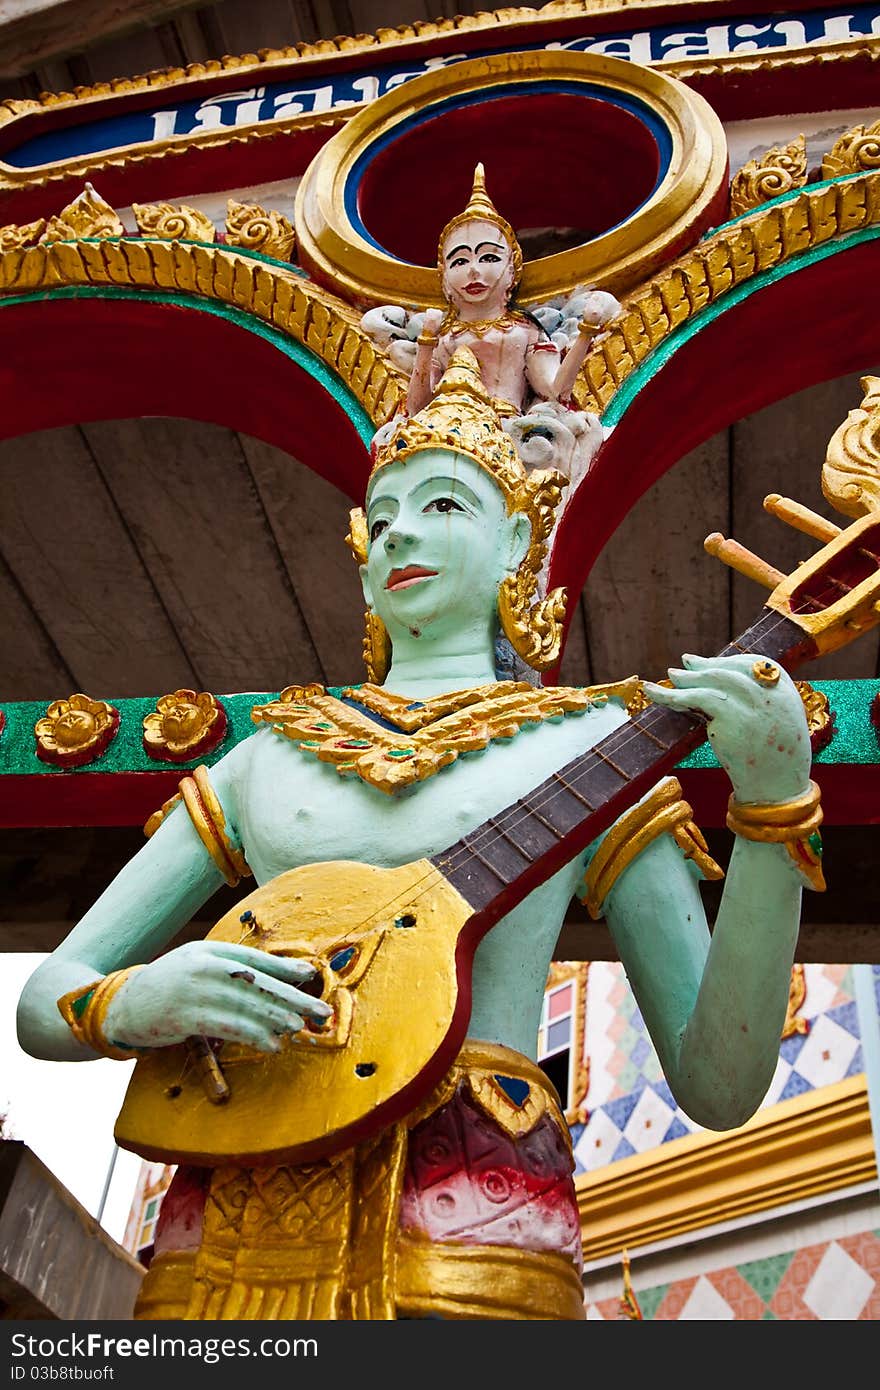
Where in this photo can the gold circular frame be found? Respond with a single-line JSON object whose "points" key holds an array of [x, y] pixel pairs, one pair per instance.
{"points": [[336, 252]]}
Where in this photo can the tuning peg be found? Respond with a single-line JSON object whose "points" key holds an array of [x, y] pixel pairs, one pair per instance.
{"points": [[743, 561], [801, 518]]}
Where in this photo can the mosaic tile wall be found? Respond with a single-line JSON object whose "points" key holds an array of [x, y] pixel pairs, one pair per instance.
{"points": [[630, 1107], [833, 1280]]}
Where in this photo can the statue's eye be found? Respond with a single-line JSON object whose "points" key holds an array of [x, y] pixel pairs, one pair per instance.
{"points": [[444, 504], [491, 256], [377, 528]]}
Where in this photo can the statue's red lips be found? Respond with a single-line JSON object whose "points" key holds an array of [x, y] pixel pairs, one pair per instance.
{"points": [[401, 579]]}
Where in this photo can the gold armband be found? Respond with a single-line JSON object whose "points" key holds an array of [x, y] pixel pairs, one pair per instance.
{"points": [[206, 814], [85, 1009], [587, 329], [663, 811], [427, 340], [793, 823]]}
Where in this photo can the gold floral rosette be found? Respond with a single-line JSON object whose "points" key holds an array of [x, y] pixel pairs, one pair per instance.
{"points": [[184, 725], [75, 731]]}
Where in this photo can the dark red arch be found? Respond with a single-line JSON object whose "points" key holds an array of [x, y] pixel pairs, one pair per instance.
{"points": [[813, 324], [73, 360]]}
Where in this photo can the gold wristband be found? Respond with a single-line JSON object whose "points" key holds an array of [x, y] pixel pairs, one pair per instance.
{"points": [[663, 811], [794, 824], [207, 816], [427, 340], [84, 1010], [776, 822], [588, 329]]}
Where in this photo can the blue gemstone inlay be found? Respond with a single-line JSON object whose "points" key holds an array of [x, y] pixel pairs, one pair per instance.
{"points": [[341, 958], [515, 1089]]}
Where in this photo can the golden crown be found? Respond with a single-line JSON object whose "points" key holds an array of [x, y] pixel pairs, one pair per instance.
{"points": [[480, 207], [461, 418]]}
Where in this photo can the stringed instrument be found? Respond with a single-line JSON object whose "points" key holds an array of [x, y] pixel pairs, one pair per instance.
{"points": [[379, 936]]}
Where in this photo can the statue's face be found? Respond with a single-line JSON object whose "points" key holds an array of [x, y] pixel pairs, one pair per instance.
{"points": [[478, 266], [440, 544]]}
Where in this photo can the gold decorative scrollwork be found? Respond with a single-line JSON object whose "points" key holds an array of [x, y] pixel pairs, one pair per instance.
{"points": [[170, 223], [256, 229], [857, 149], [12, 237], [851, 471], [87, 216], [778, 171]]}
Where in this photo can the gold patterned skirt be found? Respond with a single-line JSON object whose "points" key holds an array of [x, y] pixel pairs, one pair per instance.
{"points": [[466, 1209]]}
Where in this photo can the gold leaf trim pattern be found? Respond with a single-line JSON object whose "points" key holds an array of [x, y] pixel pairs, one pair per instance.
{"points": [[778, 171], [762, 239], [277, 295]]}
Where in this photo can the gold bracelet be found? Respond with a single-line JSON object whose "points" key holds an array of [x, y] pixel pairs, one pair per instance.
{"points": [[588, 329], [427, 340], [84, 1010], [794, 824], [776, 822], [663, 811], [206, 814]]}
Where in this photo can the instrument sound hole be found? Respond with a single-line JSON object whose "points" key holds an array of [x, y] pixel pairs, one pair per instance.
{"points": [[364, 1068], [173, 1092], [407, 920]]}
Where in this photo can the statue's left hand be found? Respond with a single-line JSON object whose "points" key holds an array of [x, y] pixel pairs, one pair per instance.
{"points": [[757, 728]]}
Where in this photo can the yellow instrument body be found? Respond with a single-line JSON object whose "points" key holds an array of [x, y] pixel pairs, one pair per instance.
{"points": [[384, 942]]}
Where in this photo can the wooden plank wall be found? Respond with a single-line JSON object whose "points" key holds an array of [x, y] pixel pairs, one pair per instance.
{"points": [[139, 556]]}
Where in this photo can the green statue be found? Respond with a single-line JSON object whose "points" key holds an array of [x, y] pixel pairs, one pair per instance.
{"points": [[344, 1071]]}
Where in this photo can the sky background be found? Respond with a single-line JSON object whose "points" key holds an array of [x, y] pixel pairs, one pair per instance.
{"points": [[65, 1111]]}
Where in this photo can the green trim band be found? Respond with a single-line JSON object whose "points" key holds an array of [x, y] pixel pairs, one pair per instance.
{"points": [[855, 739]]}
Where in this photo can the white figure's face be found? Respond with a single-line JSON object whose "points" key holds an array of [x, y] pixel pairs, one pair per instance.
{"points": [[478, 267], [440, 544]]}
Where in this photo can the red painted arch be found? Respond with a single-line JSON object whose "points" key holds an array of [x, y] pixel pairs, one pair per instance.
{"points": [[771, 344], [68, 361]]}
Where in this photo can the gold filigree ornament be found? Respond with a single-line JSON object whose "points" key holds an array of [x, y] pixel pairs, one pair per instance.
{"points": [[75, 731], [856, 150], [170, 223], [87, 216], [851, 471], [781, 169], [255, 229], [184, 725], [425, 740], [461, 418]]}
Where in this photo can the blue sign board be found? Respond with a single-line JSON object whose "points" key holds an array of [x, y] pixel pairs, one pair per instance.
{"points": [[285, 100]]}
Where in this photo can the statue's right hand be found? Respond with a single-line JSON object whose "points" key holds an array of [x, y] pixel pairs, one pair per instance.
{"points": [[432, 321], [218, 990]]}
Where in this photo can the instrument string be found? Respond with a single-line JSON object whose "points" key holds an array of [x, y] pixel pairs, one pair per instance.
{"points": [[488, 834]]}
